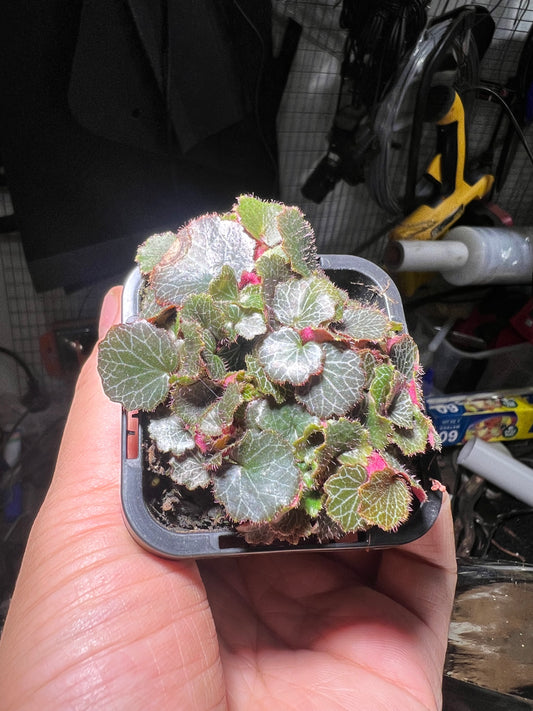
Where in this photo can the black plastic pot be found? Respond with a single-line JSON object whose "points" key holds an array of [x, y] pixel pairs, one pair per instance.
{"points": [[365, 282]]}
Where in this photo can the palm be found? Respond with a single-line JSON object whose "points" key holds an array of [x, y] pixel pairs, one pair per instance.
{"points": [[96, 622], [321, 630]]}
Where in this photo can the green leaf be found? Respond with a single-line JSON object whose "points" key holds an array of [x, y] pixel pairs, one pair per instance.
{"points": [[357, 455], [259, 218], [202, 309], [134, 362], [404, 355], [403, 411], [251, 325], [274, 266], [202, 249], [148, 306], [263, 384], [170, 435], [291, 527], [289, 420], [415, 439], [286, 359], [189, 471], [193, 345], [379, 427], [216, 368], [312, 503], [343, 435], [219, 414], [303, 302], [251, 297], [338, 388], [364, 323], [309, 451], [191, 401], [153, 249], [298, 241], [263, 481], [343, 498], [224, 286], [385, 500], [383, 386]]}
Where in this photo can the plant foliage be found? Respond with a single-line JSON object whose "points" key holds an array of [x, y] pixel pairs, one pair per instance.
{"points": [[298, 406]]}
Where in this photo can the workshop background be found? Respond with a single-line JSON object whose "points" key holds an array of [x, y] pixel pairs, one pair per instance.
{"points": [[472, 337]]}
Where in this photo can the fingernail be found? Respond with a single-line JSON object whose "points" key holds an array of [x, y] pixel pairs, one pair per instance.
{"points": [[110, 312]]}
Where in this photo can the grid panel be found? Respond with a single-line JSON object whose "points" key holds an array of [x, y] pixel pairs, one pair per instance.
{"points": [[348, 218], [32, 314]]}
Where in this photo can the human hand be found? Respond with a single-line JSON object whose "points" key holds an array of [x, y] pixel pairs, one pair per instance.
{"points": [[97, 622]]}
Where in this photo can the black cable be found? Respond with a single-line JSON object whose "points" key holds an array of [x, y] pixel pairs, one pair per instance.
{"points": [[511, 117], [34, 399], [20, 361]]}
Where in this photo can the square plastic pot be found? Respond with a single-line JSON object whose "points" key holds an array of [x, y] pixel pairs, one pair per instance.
{"points": [[365, 282]]}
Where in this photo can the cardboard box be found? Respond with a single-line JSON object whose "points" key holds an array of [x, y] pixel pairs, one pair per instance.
{"points": [[493, 416]]}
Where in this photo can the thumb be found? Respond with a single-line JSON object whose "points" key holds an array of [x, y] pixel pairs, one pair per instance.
{"points": [[111, 310]]}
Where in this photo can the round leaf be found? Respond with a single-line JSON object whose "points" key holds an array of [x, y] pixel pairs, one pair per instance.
{"points": [[364, 323], [251, 325], [259, 217], [385, 500], [298, 241], [152, 251], [263, 481], [303, 302], [134, 362], [189, 471], [339, 387], [170, 435], [286, 359], [404, 354], [342, 503], [290, 420], [202, 249]]}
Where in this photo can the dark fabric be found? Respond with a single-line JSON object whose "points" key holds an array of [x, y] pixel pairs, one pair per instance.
{"points": [[120, 118]]}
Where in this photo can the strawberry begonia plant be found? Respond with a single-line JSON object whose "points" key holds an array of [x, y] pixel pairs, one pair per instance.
{"points": [[298, 407]]}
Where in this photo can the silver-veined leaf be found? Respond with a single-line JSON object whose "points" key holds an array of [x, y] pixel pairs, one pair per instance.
{"points": [[220, 413], [298, 241], [170, 435], [202, 309], [189, 471], [343, 499], [385, 500], [415, 439], [134, 362], [259, 218], [338, 388], [302, 303], [251, 325], [192, 401], [404, 354], [262, 382], [273, 267], [286, 359], [403, 411], [364, 323], [202, 249], [383, 386], [153, 249], [263, 481], [289, 420]]}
